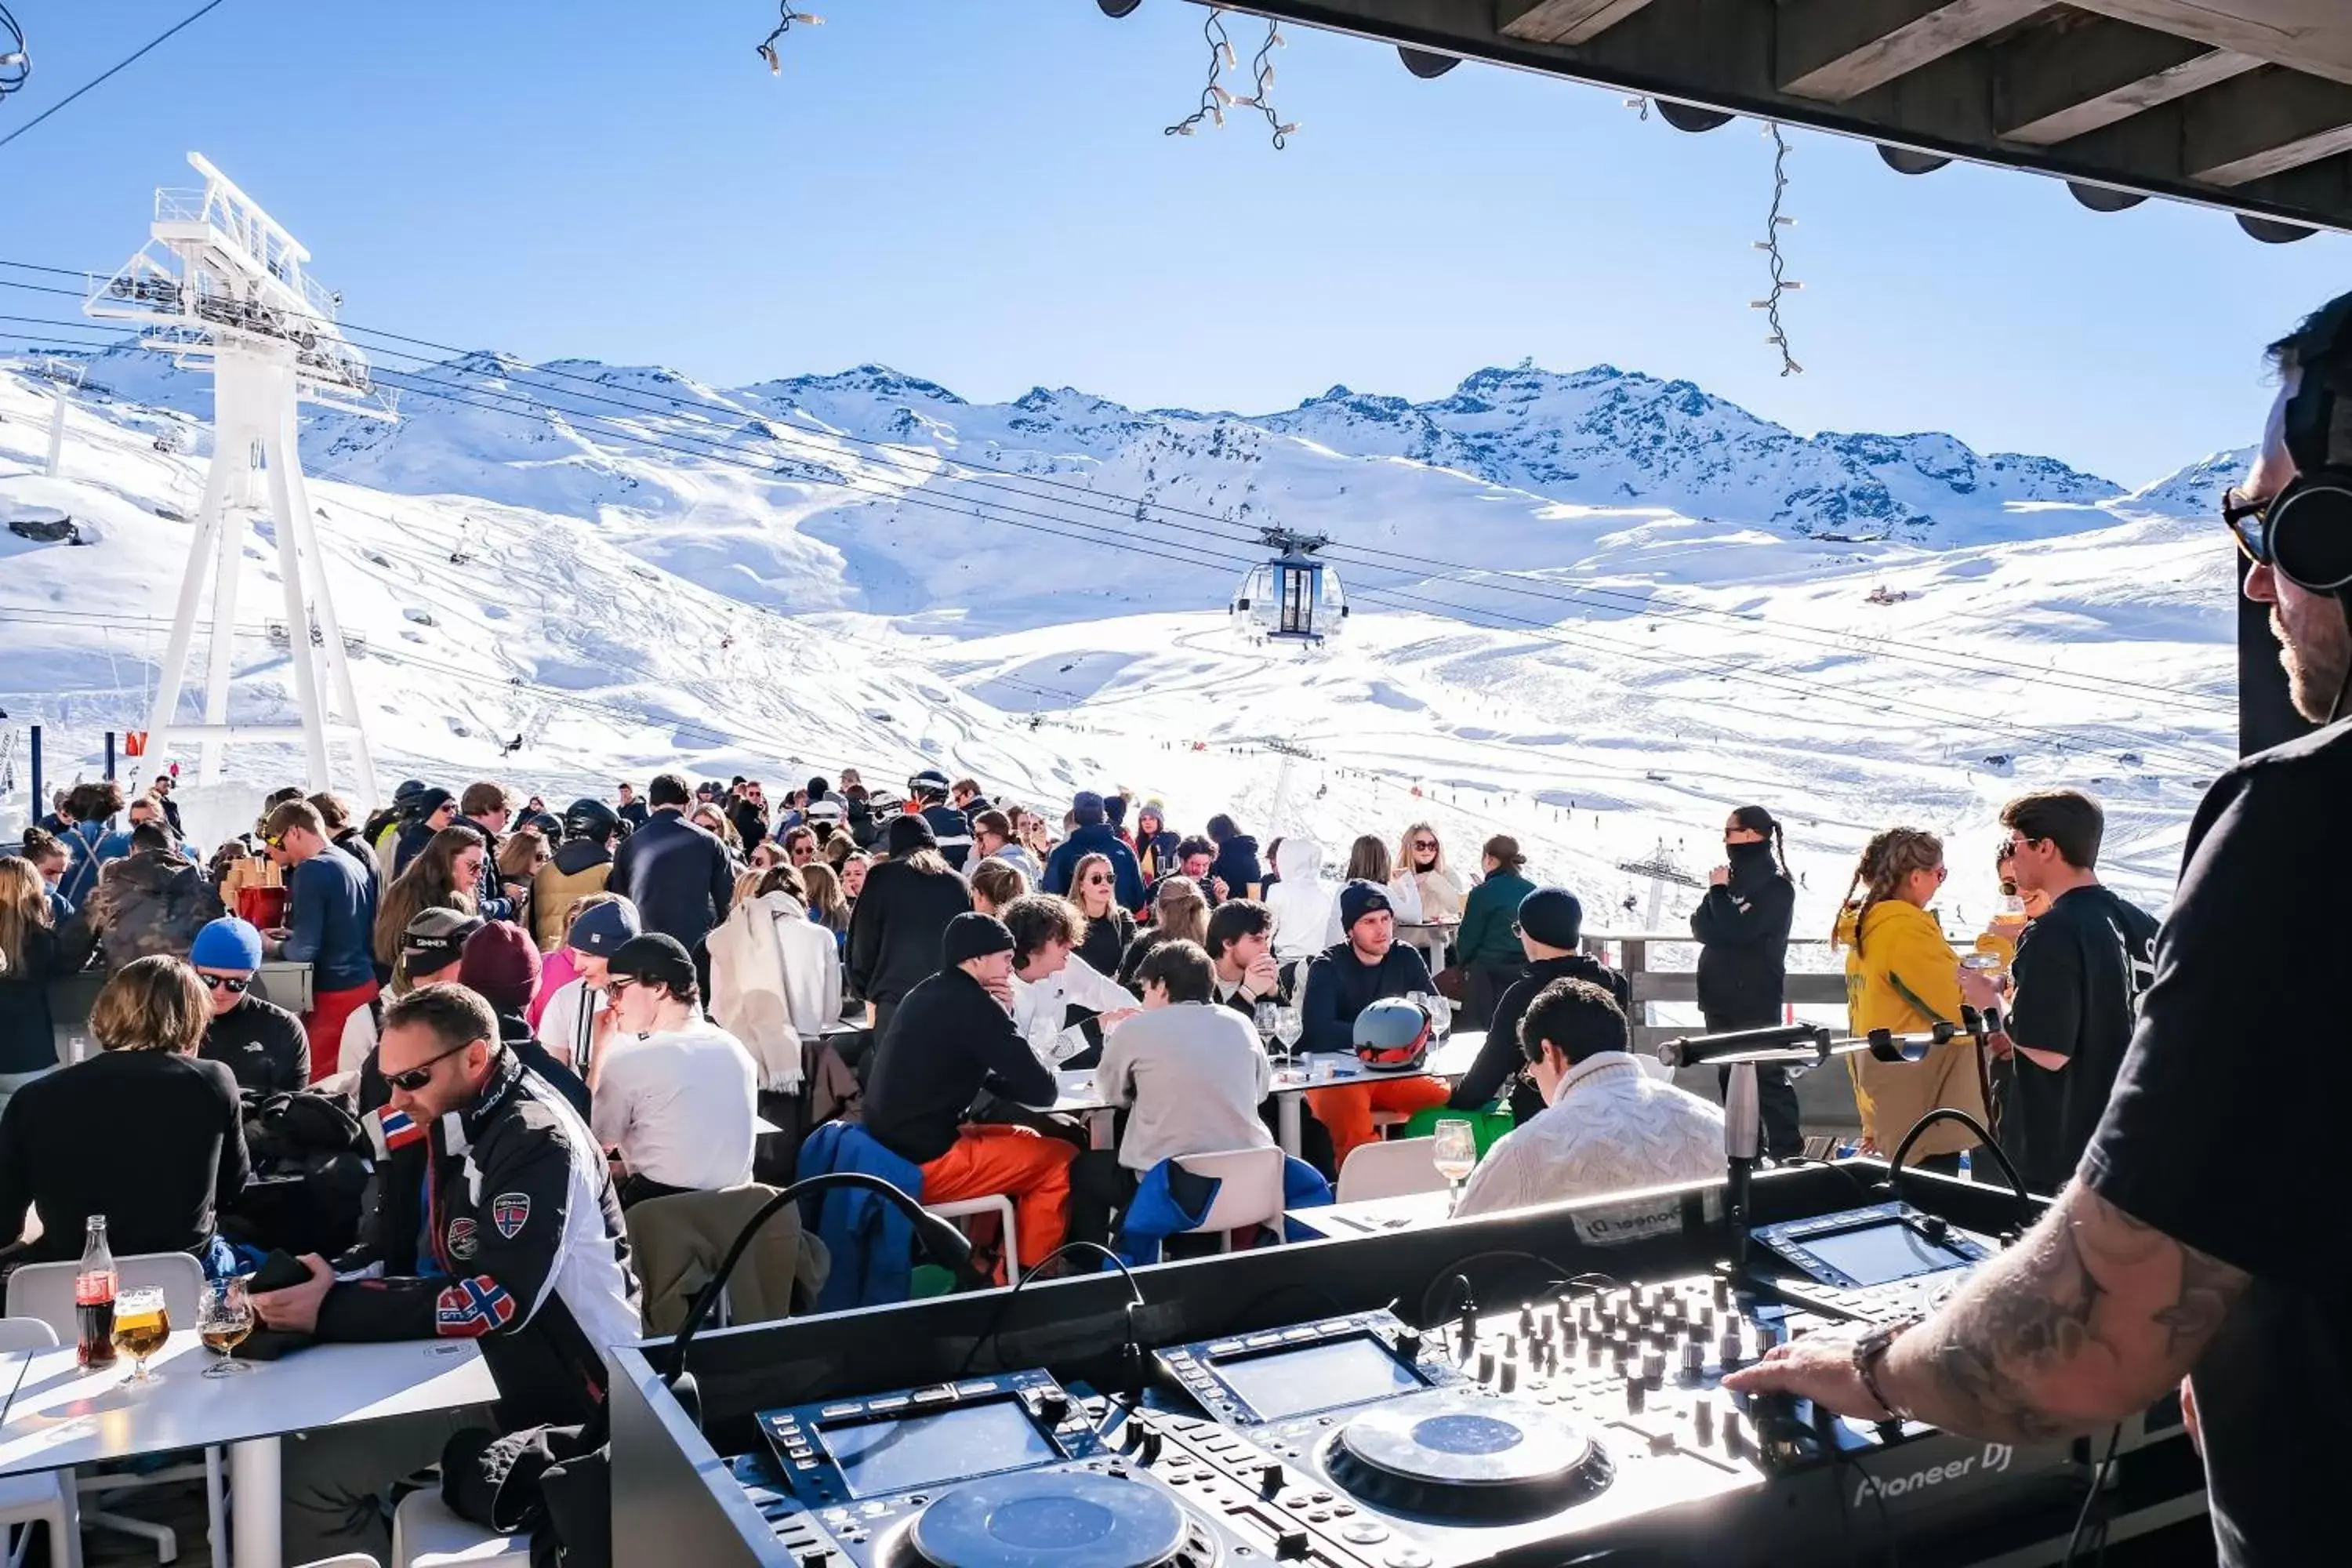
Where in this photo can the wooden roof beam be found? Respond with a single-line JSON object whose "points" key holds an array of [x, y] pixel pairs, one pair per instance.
{"points": [[1561, 21], [2081, 73], [2264, 123], [1832, 50]]}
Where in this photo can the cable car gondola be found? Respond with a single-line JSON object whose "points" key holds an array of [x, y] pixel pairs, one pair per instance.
{"points": [[1294, 597]]}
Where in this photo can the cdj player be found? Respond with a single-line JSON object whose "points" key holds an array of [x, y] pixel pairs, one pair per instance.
{"points": [[1583, 1418]]}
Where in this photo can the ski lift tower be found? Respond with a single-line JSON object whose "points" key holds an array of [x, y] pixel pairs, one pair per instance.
{"points": [[65, 377], [221, 285], [1661, 868]]}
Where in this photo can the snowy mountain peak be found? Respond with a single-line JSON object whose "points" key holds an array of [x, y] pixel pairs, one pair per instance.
{"points": [[2195, 490]]}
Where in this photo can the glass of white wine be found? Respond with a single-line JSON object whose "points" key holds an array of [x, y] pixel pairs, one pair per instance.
{"points": [[1288, 1026], [1455, 1152], [141, 1324], [224, 1321]]}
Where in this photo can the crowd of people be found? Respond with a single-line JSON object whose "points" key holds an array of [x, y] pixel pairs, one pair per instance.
{"points": [[662, 994]]}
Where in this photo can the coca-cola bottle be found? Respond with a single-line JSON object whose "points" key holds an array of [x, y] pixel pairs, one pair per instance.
{"points": [[94, 1289]]}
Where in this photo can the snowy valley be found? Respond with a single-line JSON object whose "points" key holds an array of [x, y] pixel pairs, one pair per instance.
{"points": [[1593, 609]]}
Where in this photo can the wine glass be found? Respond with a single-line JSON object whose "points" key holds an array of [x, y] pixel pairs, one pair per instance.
{"points": [[1288, 1026], [1440, 1014], [1455, 1152], [224, 1320], [141, 1323]]}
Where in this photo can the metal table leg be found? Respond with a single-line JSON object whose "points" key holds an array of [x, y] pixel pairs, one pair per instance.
{"points": [[256, 1494]]}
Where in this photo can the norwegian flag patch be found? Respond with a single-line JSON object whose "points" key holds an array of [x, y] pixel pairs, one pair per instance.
{"points": [[397, 1129], [511, 1212], [472, 1308]]}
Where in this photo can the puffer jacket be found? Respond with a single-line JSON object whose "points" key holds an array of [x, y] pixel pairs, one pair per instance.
{"points": [[150, 902], [579, 869], [1901, 975]]}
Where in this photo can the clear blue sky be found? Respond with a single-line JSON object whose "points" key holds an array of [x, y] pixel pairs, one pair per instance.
{"points": [[981, 194]]}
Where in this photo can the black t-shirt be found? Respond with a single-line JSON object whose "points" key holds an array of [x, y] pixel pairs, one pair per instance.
{"points": [[262, 1044], [2080, 970], [2225, 1132], [152, 1140]]}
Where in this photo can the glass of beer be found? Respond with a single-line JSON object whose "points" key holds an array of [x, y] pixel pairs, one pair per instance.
{"points": [[225, 1320], [141, 1324]]}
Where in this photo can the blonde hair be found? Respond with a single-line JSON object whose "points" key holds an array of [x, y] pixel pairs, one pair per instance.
{"points": [[151, 1004], [24, 904], [1078, 881], [1885, 860], [998, 882], [825, 900], [587, 901], [1179, 912], [518, 856], [1406, 864]]}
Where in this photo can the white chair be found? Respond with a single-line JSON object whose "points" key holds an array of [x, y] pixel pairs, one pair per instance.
{"points": [[46, 1497], [1001, 1206], [1389, 1170], [425, 1534], [46, 1292], [1249, 1193]]}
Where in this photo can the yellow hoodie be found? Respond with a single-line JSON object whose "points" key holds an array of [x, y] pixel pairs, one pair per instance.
{"points": [[1900, 965]]}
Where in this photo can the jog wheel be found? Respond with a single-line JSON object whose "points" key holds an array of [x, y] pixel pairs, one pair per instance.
{"points": [[1060, 1518], [1467, 1456]]}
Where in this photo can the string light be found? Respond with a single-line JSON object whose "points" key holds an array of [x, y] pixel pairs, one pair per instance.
{"points": [[16, 63], [1770, 246], [786, 20], [1216, 98]]}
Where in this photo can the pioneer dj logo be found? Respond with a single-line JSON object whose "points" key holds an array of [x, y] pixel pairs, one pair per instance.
{"points": [[1995, 1458]]}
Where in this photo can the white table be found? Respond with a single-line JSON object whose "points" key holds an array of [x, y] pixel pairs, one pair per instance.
{"points": [[1376, 1217], [1452, 1059], [1318, 1069], [65, 1416]]}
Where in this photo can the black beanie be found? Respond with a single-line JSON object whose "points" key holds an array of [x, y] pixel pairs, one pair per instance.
{"points": [[1553, 917], [907, 834], [973, 935]]}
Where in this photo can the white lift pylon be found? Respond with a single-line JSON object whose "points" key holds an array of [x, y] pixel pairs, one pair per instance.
{"points": [[221, 286]]}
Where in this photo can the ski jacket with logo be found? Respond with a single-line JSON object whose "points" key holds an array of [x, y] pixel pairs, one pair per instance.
{"points": [[498, 1222]]}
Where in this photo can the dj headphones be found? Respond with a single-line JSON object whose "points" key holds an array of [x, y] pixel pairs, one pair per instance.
{"points": [[2307, 527]]}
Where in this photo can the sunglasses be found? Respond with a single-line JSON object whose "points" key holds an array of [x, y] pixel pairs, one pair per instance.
{"points": [[1424, 844], [227, 982], [1097, 881], [2249, 522], [417, 1076]]}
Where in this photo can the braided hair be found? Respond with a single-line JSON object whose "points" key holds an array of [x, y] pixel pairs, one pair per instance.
{"points": [[1886, 860]]}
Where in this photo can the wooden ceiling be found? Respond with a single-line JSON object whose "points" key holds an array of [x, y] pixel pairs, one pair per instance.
{"points": [[2240, 104]]}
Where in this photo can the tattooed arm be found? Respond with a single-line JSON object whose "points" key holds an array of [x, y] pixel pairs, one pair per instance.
{"points": [[2090, 1318]]}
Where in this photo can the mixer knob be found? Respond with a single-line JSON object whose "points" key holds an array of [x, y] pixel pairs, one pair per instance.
{"points": [[1633, 1395], [1654, 1369], [1527, 1321], [1407, 1343], [1052, 1405], [1703, 1420], [1508, 1380], [1593, 1347], [1269, 1477], [1727, 1352], [1486, 1366], [1695, 1331], [1693, 1357], [1567, 1331], [1722, 1292], [1510, 1346], [1735, 1440]]}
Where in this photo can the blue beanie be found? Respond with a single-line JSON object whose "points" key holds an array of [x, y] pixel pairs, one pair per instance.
{"points": [[602, 928], [228, 944], [1087, 807], [1553, 917]]}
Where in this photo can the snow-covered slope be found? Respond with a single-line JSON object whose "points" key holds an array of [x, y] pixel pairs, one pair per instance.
{"points": [[1595, 609]]}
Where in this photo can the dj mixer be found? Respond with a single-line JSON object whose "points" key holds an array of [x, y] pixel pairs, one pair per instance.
{"points": [[1588, 1420]]}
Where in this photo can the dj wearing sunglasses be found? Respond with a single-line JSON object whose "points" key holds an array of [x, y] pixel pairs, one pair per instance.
{"points": [[494, 1220], [2195, 1246]]}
